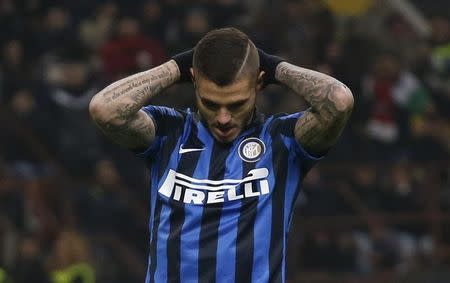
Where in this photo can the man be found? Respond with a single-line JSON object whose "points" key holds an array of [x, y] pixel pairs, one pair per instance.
{"points": [[223, 179]]}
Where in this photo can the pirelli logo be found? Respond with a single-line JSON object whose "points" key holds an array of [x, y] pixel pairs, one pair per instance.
{"points": [[203, 191]]}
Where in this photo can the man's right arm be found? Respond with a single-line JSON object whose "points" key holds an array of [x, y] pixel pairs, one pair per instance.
{"points": [[117, 108]]}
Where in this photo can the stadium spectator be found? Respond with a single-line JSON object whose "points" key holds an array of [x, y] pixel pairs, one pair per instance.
{"points": [[70, 261], [29, 266], [14, 72], [154, 20], [129, 50], [68, 93], [97, 29]]}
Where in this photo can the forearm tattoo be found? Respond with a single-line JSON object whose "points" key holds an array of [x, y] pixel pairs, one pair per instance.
{"points": [[331, 105], [117, 106]]}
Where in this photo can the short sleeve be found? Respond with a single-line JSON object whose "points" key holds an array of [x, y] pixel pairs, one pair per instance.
{"points": [[167, 121], [284, 125]]}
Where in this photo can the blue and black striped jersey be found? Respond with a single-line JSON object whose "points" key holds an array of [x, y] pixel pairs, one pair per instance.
{"points": [[221, 212]]}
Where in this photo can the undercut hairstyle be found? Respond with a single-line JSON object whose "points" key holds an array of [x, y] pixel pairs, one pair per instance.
{"points": [[226, 55]]}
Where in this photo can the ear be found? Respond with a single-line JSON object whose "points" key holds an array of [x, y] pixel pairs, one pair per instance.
{"points": [[191, 70], [260, 81]]}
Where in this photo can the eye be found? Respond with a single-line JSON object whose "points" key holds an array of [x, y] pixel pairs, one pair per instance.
{"points": [[236, 106], [209, 104]]}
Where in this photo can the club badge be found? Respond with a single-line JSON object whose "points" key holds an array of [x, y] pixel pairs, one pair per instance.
{"points": [[251, 149]]}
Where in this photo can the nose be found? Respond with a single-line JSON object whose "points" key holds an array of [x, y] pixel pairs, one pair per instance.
{"points": [[223, 116]]}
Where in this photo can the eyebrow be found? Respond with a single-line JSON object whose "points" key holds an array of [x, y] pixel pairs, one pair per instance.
{"points": [[240, 101]]}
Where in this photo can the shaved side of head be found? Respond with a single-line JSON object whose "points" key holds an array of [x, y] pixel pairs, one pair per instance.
{"points": [[250, 64]]}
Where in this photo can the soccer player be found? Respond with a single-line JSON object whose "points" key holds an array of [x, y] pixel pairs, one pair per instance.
{"points": [[224, 178]]}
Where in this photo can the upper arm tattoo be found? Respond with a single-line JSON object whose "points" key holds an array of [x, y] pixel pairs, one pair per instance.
{"points": [[316, 136], [331, 105], [116, 109], [136, 133]]}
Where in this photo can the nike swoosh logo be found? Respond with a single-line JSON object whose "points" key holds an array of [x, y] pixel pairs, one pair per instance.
{"points": [[185, 150]]}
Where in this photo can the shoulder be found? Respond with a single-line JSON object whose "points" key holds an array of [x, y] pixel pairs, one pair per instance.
{"points": [[167, 119], [163, 111], [282, 123], [281, 127]]}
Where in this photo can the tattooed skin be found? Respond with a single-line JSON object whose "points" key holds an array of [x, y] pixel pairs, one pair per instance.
{"points": [[331, 105], [116, 109]]}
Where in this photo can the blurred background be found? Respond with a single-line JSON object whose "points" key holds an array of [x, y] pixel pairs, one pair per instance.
{"points": [[74, 207]]}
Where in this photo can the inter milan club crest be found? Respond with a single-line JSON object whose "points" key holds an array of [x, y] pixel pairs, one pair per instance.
{"points": [[251, 149]]}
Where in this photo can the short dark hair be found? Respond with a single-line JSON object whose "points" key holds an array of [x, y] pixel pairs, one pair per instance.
{"points": [[222, 55]]}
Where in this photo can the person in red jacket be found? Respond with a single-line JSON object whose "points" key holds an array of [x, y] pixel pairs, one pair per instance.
{"points": [[130, 51]]}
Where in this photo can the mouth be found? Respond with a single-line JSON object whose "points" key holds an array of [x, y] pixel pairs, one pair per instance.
{"points": [[225, 133]]}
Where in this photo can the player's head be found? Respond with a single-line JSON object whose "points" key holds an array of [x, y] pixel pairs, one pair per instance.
{"points": [[226, 77]]}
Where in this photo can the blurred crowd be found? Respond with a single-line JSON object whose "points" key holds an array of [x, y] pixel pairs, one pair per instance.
{"points": [[74, 206]]}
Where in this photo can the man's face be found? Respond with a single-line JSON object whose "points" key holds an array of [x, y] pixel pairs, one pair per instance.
{"points": [[227, 110]]}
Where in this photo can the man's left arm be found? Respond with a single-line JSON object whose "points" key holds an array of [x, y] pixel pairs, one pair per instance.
{"points": [[331, 105]]}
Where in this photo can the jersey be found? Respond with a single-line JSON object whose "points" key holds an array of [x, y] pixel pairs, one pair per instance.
{"points": [[221, 212]]}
